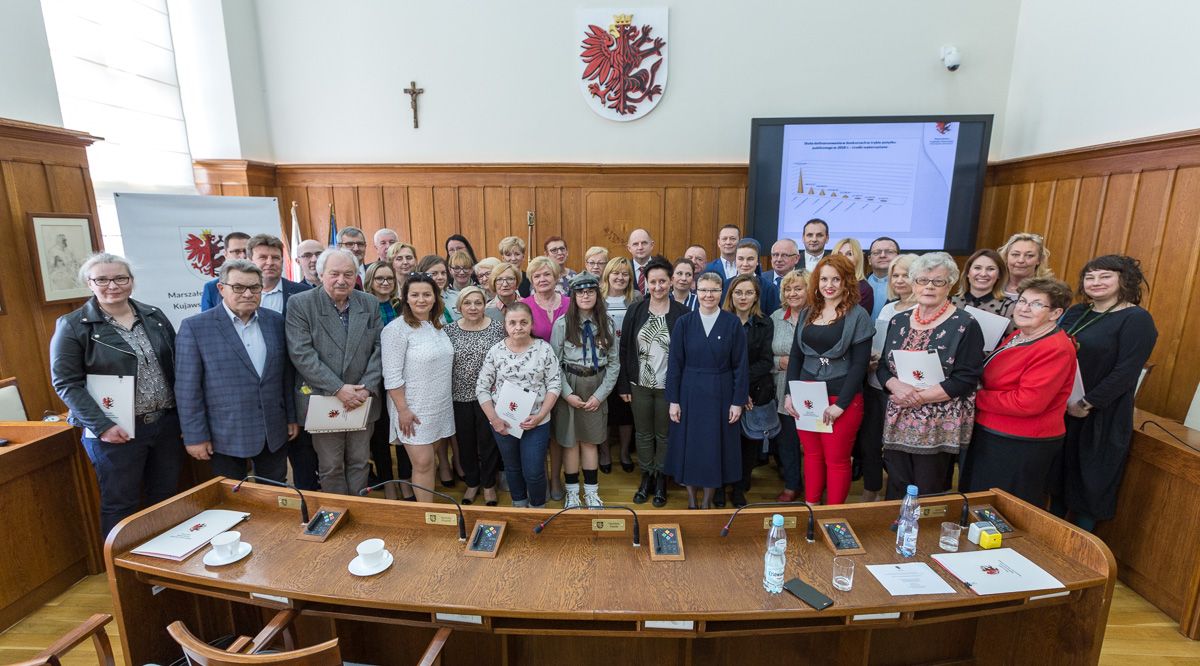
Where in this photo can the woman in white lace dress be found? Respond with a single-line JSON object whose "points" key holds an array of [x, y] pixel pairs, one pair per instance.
{"points": [[418, 361]]}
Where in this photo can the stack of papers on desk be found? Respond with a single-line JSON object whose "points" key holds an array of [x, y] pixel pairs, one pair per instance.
{"points": [[998, 571], [909, 578], [179, 542]]}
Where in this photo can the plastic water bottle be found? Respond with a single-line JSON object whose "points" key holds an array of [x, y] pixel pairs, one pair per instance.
{"points": [[776, 558], [906, 526]]}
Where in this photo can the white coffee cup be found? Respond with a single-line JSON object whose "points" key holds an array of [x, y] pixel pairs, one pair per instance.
{"points": [[371, 552], [226, 544]]}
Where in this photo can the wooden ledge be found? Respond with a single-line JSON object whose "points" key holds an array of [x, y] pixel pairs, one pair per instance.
{"points": [[16, 129]]}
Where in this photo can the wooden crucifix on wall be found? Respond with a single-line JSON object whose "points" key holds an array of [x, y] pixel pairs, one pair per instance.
{"points": [[412, 92]]}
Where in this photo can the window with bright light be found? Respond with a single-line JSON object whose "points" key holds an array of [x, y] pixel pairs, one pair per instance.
{"points": [[115, 70]]}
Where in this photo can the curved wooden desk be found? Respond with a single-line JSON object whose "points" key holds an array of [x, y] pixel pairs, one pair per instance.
{"points": [[583, 597]]}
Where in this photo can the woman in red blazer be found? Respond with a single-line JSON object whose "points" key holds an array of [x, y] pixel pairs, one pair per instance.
{"points": [[1019, 425]]}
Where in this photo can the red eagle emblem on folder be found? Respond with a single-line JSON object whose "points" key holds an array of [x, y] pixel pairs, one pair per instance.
{"points": [[989, 570], [512, 406], [808, 404], [334, 413], [107, 402], [918, 375]]}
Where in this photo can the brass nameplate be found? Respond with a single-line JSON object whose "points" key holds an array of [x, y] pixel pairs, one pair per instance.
{"points": [[935, 511], [288, 502], [788, 521], [434, 518], [608, 525]]}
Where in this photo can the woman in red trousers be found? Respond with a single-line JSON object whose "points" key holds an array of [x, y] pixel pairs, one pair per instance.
{"points": [[832, 345]]}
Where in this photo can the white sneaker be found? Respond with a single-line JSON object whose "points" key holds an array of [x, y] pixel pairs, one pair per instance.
{"points": [[571, 499], [591, 495]]}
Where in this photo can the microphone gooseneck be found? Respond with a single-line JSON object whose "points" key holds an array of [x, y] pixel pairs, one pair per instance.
{"points": [[304, 519], [810, 534], [637, 540], [462, 525], [965, 519], [1169, 433]]}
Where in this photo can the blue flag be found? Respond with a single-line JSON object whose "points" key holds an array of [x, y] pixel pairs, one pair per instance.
{"points": [[332, 229]]}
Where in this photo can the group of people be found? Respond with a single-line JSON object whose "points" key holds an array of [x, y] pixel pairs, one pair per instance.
{"points": [[687, 364]]}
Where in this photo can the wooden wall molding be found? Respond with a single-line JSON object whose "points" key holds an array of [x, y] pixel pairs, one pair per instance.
{"points": [[1164, 151], [42, 169]]}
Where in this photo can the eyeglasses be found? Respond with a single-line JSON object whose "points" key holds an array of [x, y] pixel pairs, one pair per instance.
{"points": [[883, 253], [937, 282], [1036, 306], [241, 288], [383, 278], [556, 250], [506, 280], [744, 294], [353, 244], [462, 269], [708, 291], [784, 255], [120, 281], [310, 255]]}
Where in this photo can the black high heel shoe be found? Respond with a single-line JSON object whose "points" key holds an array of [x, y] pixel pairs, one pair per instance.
{"points": [[718, 499]]}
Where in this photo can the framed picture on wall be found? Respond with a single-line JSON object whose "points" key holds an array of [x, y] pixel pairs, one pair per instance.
{"points": [[61, 242]]}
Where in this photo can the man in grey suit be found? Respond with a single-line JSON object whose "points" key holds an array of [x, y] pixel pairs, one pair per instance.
{"points": [[333, 340], [233, 380]]}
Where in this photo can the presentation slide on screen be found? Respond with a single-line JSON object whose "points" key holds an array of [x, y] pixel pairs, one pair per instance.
{"points": [[869, 180]]}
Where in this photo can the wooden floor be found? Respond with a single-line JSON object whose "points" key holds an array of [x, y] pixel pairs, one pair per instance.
{"points": [[1138, 633]]}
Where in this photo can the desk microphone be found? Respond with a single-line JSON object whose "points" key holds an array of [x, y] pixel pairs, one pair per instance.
{"points": [[462, 525], [1164, 429], [258, 479], [637, 539], [810, 535], [965, 519]]}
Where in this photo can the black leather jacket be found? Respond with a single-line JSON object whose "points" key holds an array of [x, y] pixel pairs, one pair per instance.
{"points": [[759, 359], [84, 343]]}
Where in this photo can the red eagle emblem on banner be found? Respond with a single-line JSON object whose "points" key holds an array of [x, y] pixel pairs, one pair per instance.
{"points": [[205, 253], [623, 66]]}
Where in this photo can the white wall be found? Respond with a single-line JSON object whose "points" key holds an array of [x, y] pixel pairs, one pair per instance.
{"points": [[501, 79], [27, 90], [1093, 71]]}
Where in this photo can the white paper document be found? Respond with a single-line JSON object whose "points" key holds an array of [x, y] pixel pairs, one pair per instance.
{"points": [[881, 329], [327, 414], [810, 399], [114, 395], [191, 535], [1077, 391], [909, 578], [919, 369], [513, 405], [993, 325], [996, 571]]}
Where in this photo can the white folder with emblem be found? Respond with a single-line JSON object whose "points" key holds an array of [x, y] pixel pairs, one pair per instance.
{"points": [[919, 369], [513, 405], [810, 400], [326, 413], [114, 395]]}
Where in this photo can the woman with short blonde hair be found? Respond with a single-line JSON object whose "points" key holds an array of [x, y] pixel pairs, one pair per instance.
{"points": [[1025, 255], [595, 259], [512, 249]]}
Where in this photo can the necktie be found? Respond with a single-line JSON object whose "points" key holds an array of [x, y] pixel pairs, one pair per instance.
{"points": [[778, 279], [589, 344], [641, 282]]}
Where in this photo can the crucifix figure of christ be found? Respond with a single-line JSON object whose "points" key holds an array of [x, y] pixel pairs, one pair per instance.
{"points": [[412, 92]]}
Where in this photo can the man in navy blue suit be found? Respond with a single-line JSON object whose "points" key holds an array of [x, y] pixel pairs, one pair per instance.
{"points": [[727, 242], [747, 262], [266, 251], [233, 380], [235, 248]]}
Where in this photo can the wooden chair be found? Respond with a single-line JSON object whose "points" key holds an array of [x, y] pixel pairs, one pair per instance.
{"points": [[93, 628], [247, 651], [12, 407]]}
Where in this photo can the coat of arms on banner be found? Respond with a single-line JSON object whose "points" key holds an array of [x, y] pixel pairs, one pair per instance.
{"points": [[203, 250], [622, 60]]}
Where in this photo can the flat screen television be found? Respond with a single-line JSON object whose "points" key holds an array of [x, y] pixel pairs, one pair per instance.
{"points": [[917, 179]]}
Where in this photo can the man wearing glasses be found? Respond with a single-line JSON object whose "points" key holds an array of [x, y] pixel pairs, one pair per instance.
{"points": [[883, 251], [308, 251], [785, 254], [354, 240], [235, 248], [233, 381], [266, 251]]}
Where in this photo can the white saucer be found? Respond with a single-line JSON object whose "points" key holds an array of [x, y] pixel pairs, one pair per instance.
{"points": [[359, 569], [212, 559]]}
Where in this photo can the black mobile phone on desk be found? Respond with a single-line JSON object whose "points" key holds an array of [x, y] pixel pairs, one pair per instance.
{"points": [[808, 594]]}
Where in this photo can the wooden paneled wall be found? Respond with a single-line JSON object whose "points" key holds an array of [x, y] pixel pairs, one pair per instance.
{"points": [[585, 204], [1140, 198], [42, 170]]}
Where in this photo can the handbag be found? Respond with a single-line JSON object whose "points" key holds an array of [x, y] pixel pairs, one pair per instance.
{"points": [[762, 422]]}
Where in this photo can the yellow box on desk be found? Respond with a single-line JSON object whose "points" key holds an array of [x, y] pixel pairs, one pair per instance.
{"points": [[984, 534]]}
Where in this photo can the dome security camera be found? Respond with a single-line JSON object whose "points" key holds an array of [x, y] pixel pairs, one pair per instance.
{"points": [[951, 58]]}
